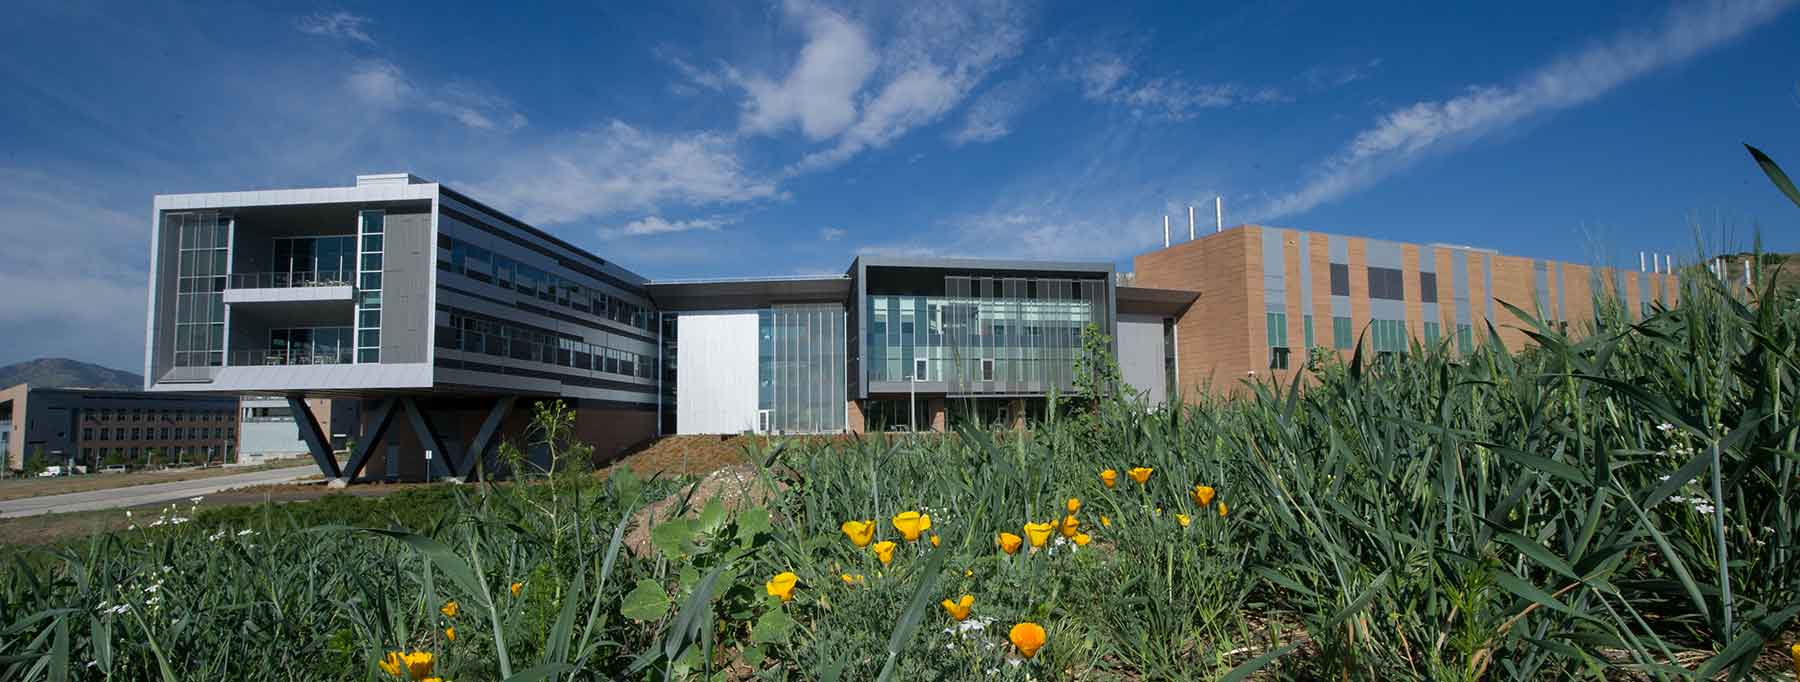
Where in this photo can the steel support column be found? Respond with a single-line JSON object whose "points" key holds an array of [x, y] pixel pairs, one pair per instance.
{"points": [[316, 440], [365, 446], [481, 450], [428, 438]]}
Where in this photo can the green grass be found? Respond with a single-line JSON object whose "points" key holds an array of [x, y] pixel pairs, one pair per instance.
{"points": [[1502, 516]]}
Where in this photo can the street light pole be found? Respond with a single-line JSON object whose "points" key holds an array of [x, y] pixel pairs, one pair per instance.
{"points": [[912, 402]]}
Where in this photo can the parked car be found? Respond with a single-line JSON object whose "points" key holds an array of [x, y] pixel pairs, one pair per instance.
{"points": [[51, 472], [114, 469]]}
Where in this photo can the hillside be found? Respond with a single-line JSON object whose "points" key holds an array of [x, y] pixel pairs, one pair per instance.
{"points": [[63, 372]]}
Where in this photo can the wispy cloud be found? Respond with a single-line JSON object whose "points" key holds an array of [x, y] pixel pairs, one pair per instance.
{"points": [[819, 93], [1108, 78], [650, 225], [615, 168], [383, 84], [1325, 77], [831, 234], [1403, 136], [990, 116], [339, 24]]}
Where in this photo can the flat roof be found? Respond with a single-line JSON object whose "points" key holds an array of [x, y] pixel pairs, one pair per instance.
{"points": [[874, 261], [738, 293]]}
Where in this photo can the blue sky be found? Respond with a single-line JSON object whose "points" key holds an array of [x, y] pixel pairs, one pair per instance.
{"points": [[744, 138]]}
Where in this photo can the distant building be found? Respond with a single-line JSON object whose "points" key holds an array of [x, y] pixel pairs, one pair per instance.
{"points": [[94, 427], [267, 429]]}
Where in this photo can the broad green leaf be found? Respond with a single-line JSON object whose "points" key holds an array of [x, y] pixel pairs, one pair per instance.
{"points": [[772, 628], [751, 522], [645, 602], [673, 537], [711, 517]]}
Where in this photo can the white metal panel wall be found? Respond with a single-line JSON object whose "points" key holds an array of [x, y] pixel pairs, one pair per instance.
{"points": [[716, 366], [1141, 355]]}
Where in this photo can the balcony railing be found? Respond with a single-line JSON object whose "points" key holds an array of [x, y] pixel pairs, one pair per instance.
{"points": [[284, 280], [282, 356]]}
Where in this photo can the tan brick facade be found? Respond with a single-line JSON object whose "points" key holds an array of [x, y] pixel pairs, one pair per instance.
{"points": [[1223, 337]]}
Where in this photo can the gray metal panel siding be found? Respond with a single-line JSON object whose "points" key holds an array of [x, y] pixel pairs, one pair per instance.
{"points": [[1427, 259], [1340, 254], [1141, 355], [1274, 277], [408, 255], [1383, 254], [1459, 284], [162, 314], [1384, 309]]}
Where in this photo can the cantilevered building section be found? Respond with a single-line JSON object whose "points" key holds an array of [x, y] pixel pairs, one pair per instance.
{"points": [[437, 311]]}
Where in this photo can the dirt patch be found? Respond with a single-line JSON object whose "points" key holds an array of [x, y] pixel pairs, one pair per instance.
{"points": [[20, 488], [735, 487]]}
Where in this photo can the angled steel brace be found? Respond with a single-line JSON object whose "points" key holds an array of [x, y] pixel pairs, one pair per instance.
{"points": [[428, 436], [481, 449], [316, 441], [384, 415]]}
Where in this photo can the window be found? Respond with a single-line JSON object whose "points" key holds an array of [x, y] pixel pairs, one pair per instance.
{"points": [[372, 225], [1465, 339], [1432, 331], [1428, 287], [105, 433], [1340, 279], [922, 369], [1306, 328], [1278, 358], [87, 434], [137, 433], [1341, 338], [1386, 284], [987, 369], [1388, 336], [165, 433], [1277, 329]]}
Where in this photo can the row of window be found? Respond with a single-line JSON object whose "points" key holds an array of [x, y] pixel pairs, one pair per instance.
{"points": [[483, 265], [179, 453], [168, 433], [1388, 284], [140, 414], [489, 336]]}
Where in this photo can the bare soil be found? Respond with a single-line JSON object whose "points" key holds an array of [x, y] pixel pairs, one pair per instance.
{"points": [[19, 488]]}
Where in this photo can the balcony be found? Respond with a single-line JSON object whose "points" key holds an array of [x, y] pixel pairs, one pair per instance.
{"points": [[291, 287], [269, 357]]}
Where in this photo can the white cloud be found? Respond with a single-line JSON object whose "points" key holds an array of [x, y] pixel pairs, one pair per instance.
{"points": [[1326, 77], [385, 85], [615, 168], [831, 234], [1405, 135], [819, 94], [990, 116], [1106, 77], [339, 24], [650, 225]]}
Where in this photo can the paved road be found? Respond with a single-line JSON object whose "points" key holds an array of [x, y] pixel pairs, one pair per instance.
{"points": [[150, 493]]}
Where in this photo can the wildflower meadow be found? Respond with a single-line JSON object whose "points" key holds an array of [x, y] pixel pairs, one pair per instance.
{"points": [[1616, 502]]}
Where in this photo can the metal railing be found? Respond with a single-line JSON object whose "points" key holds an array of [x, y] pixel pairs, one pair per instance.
{"points": [[284, 280], [262, 357]]}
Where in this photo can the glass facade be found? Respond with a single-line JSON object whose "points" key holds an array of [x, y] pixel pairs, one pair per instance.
{"points": [[316, 259], [1341, 336], [1388, 336], [370, 226], [203, 244], [801, 382], [1025, 333]]}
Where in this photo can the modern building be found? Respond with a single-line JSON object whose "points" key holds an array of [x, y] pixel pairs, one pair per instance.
{"points": [[268, 430], [1271, 295], [444, 319], [95, 427]]}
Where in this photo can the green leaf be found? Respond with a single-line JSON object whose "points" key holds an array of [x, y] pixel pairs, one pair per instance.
{"points": [[1528, 591], [625, 485], [1540, 554], [444, 559], [772, 628], [1775, 175], [915, 612], [1248, 668], [711, 517], [646, 602], [541, 672], [752, 522], [674, 538]]}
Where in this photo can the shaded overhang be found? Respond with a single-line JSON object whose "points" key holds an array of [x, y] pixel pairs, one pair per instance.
{"points": [[739, 294], [1148, 301]]}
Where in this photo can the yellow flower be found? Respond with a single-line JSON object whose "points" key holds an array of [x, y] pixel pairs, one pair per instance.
{"points": [[859, 532], [1182, 519], [418, 664], [1795, 653], [450, 633], [1105, 522], [1069, 526], [1074, 505], [911, 524], [1109, 477], [1203, 495], [1082, 539], [1140, 474], [1029, 637], [884, 551], [450, 608], [934, 540], [1038, 533], [393, 664], [432, 679], [959, 609], [1223, 510], [782, 585], [517, 588], [851, 579], [1009, 543]]}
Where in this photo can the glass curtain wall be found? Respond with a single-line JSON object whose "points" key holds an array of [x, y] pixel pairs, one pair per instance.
{"points": [[986, 335], [370, 228], [800, 368], [200, 288], [315, 259]]}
